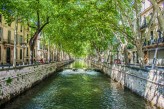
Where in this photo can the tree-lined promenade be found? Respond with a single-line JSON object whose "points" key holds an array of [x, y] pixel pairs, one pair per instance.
{"points": [[87, 28]]}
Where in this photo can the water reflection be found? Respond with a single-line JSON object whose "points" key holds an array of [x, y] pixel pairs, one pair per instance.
{"points": [[80, 64]]}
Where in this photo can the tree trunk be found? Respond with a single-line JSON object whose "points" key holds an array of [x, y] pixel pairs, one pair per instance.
{"points": [[49, 51], [111, 58], [31, 56], [35, 36], [126, 55], [99, 57], [108, 57], [159, 16], [140, 54], [32, 45], [161, 23], [58, 55], [61, 55], [69, 57]]}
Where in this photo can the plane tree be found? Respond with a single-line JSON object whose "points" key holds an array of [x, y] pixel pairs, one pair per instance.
{"points": [[130, 25], [83, 25], [160, 16], [75, 25], [35, 13]]}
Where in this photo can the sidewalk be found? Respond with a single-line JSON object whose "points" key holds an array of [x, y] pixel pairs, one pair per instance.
{"points": [[8, 66]]}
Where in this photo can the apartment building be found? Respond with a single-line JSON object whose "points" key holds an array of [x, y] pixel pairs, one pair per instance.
{"points": [[7, 43], [42, 50], [155, 39]]}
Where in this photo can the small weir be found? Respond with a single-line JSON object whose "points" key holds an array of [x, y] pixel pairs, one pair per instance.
{"points": [[78, 88]]}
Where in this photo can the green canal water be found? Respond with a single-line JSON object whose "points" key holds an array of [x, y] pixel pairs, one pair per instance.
{"points": [[78, 89]]}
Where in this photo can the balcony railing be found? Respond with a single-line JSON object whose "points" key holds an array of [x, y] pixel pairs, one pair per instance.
{"points": [[23, 43], [153, 43], [6, 41]]}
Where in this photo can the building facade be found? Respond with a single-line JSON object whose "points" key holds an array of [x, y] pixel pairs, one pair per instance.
{"points": [[154, 41], [7, 42], [155, 38]]}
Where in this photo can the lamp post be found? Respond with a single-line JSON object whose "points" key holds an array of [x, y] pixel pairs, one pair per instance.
{"points": [[23, 46], [156, 50]]}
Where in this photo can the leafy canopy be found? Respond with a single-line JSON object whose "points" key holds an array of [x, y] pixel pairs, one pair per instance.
{"points": [[79, 27]]}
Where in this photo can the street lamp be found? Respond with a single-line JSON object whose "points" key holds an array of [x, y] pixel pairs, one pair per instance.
{"points": [[23, 46]]}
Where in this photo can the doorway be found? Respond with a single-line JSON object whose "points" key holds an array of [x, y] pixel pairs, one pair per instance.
{"points": [[8, 55]]}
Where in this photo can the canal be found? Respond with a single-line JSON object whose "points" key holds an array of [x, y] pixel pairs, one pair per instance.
{"points": [[78, 88]]}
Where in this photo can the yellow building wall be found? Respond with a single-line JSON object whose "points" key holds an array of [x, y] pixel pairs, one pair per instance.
{"points": [[4, 45]]}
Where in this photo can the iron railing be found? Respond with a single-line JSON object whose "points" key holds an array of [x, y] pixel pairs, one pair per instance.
{"points": [[6, 41]]}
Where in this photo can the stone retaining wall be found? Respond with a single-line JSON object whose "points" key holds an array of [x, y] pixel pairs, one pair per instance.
{"points": [[15, 81], [148, 84]]}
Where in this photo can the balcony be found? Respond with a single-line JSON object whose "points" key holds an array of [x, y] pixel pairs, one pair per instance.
{"points": [[154, 43], [19, 43], [23, 43], [8, 42]]}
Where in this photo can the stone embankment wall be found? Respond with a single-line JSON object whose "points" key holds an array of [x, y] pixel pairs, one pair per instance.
{"points": [[148, 84], [15, 81]]}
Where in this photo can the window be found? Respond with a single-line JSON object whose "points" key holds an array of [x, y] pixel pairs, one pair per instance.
{"points": [[0, 18], [40, 45], [9, 36], [1, 33], [21, 28], [20, 39], [27, 51], [28, 28], [20, 53]]}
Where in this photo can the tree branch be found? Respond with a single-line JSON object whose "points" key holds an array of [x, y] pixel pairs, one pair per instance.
{"points": [[150, 23], [47, 22], [34, 27], [38, 17]]}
